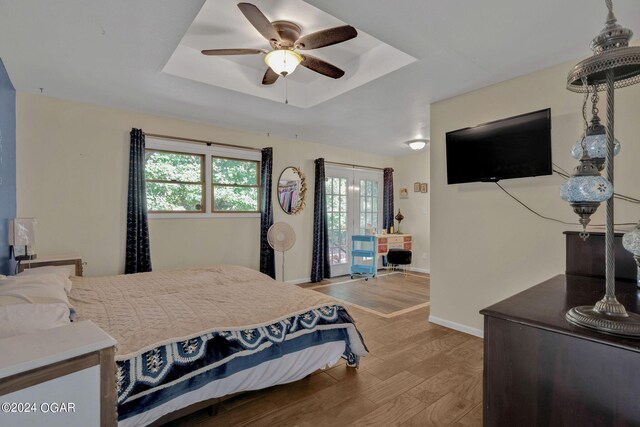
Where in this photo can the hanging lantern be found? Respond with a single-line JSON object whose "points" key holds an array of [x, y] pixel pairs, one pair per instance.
{"points": [[585, 190], [595, 139]]}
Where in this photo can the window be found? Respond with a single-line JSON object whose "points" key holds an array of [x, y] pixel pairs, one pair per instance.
{"points": [[235, 185], [175, 181], [187, 180]]}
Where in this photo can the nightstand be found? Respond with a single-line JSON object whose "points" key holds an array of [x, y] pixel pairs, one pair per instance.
{"points": [[65, 376], [43, 261]]}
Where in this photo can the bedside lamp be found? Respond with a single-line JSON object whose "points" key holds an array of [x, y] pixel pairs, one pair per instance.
{"points": [[22, 238]]}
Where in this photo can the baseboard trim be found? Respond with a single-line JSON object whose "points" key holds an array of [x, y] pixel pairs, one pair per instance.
{"points": [[457, 326], [420, 270], [299, 281]]}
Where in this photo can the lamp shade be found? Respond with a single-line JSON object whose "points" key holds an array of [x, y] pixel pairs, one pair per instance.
{"points": [[631, 241], [579, 189], [417, 144], [283, 61], [596, 146], [22, 232]]}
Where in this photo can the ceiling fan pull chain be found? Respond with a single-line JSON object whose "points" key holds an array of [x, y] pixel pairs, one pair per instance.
{"points": [[286, 90]]}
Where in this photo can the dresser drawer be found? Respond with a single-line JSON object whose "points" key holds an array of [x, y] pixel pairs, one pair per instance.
{"points": [[407, 246], [396, 240]]}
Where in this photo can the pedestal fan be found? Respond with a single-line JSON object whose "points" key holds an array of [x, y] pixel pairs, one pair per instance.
{"points": [[281, 238]]}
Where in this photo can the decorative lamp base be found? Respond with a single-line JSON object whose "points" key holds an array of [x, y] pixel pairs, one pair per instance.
{"points": [[586, 316]]}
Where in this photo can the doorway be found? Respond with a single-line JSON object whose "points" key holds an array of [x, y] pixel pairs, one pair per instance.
{"points": [[354, 204]]}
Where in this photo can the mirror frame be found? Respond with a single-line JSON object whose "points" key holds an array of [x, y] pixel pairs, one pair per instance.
{"points": [[302, 192]]}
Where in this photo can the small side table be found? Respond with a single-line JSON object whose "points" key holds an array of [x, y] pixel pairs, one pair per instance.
{"points": [[55, 260]]}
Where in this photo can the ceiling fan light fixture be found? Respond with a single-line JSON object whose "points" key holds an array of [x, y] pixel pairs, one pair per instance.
{"points": [[283, 61]]}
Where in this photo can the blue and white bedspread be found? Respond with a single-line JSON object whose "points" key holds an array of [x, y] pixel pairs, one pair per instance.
{"points": [[165, 372], [190, 335]]}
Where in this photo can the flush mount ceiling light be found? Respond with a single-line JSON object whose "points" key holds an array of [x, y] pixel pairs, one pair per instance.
{"points": [[283, 62], [417, 144]]}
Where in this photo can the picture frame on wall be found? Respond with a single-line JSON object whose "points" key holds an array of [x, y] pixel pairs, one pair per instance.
{"points": [[424, 187], [416, 187], [404, 193]]}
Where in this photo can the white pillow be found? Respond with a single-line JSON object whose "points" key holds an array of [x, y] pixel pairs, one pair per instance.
{"points": [[19, 319], [37, 289], [52, 274]]}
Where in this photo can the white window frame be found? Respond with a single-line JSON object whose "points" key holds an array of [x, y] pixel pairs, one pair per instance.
{"points": [[208, 151]]}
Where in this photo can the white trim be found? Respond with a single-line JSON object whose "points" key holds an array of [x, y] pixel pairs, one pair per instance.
{"points": [[420, 270], [213, 150], [299, 281], [229, 215], [457, 326]]}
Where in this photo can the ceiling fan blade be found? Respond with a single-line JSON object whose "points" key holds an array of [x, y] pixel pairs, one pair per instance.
{"points": [[259, 21], [270, 77], [215, 52], [322, 67], [326, 37]]}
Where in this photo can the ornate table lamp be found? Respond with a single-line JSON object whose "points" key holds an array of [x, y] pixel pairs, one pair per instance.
{"points": [[614, 65], [399, 218]]}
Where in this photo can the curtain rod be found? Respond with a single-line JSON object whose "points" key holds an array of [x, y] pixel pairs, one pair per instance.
{"points": [[200, 141], [353, 166]]}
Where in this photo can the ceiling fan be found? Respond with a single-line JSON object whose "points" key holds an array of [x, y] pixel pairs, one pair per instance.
{"points": [[284, 37]]}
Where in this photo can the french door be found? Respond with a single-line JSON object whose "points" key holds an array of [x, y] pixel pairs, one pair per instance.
{"points": [[354, 204]]}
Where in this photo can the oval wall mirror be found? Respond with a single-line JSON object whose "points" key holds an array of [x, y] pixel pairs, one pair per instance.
{"points": [[292, 188]]}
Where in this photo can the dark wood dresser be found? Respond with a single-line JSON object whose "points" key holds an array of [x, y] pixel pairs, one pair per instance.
{"points": [[539, 370]]}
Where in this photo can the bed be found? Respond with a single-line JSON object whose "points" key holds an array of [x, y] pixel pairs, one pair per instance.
{"points": [[189, 336]]}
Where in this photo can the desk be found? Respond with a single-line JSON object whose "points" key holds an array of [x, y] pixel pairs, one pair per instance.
{"points": [[384, 242]]}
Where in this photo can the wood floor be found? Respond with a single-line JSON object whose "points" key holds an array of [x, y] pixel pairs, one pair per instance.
{"points": [[418, 374], [386, 295]]}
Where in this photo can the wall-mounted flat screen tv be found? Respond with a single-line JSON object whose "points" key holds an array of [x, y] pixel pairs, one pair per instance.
{"points": [[516, 147]]}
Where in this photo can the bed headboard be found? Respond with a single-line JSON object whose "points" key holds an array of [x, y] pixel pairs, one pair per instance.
{"points": [[587, 258]]}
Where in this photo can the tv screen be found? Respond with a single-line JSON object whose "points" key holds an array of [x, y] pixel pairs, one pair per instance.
{"points": [[516, 147]]}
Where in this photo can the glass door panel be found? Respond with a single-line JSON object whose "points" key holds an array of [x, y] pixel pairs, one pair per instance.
{"points": [[369, 205], [337, 189], [353, 206]]}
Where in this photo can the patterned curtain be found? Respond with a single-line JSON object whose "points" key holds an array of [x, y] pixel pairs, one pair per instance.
{"points": [[138, 253], [387, 199], [387, 203], [267, 258], [320, 267]]}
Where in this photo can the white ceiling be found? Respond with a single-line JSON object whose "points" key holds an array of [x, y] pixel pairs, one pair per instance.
{"points": [[220, 24], [113, 52]]}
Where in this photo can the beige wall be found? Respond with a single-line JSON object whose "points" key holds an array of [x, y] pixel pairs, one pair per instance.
{"points": [[72, 175], [409, 169], [485, 247]]}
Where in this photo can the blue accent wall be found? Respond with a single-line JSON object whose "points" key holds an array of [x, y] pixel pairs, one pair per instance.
{"points": [[7, 164]]}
